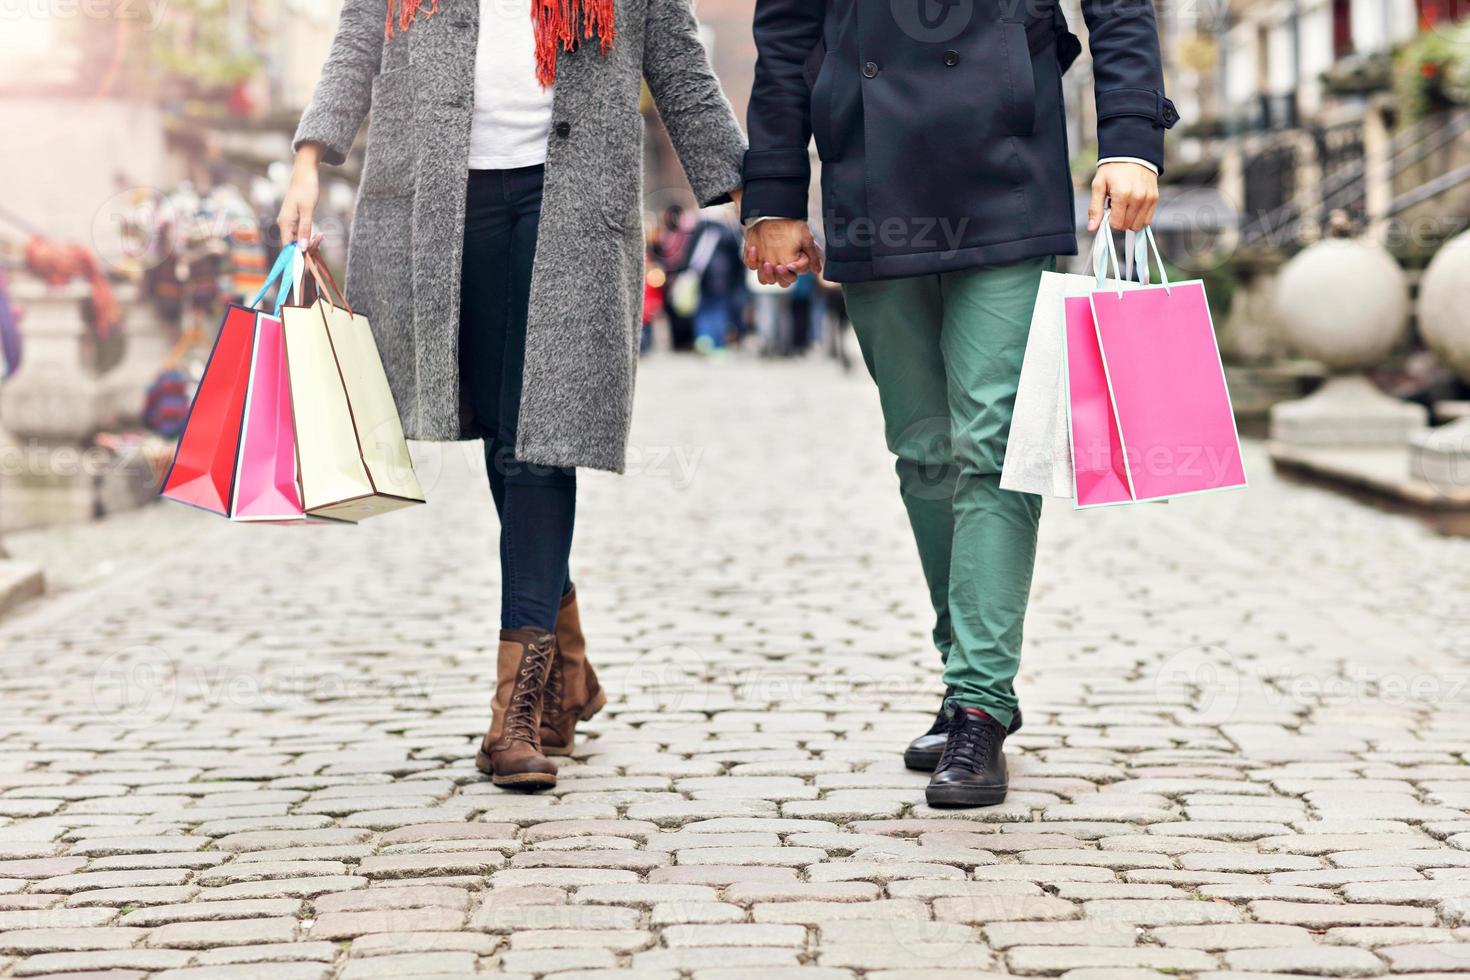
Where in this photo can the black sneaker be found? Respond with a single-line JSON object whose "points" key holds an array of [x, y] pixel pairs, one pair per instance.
{"points": [[923, 753], [972, 770]]}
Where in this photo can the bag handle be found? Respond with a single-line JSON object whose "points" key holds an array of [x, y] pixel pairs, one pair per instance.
{"points": [[325, 283], [1137, 248], [286, 261], [1103, 248]]}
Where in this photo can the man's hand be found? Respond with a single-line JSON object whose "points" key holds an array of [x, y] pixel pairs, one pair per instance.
{"points": [[779, 250], [1133, 192]]}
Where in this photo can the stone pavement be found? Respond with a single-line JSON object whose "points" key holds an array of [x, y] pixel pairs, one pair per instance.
{"points": [[245, 752]]}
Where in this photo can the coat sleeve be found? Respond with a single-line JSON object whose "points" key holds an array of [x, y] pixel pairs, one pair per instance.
{"points": [[1128, 76], [691, 103], [345, 89], [778, 170]]}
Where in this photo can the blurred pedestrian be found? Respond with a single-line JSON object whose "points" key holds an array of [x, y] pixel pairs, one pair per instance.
{"points": [[721, 270], [672, 249]]}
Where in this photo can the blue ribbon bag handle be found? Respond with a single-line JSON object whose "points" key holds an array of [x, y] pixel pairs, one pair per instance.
{"points": [[288, 261]]}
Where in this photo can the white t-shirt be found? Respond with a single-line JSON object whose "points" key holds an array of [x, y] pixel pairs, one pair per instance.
{"points": [[512, 112]]}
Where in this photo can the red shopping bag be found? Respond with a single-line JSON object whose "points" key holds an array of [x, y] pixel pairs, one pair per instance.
{"points": [[206, 466], [203, 469]]}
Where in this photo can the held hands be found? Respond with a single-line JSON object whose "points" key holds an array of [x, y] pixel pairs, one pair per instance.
{"points": [[1133, 190], [779, 250]]}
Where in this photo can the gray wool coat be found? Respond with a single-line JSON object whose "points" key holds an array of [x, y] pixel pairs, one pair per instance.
{"points": [[403, 265]]}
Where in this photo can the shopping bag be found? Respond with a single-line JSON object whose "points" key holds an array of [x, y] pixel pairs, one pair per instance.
{"points": [[336, 481], [266, 487], [685, 292], [206, 462], [1174, 420], [1038, 456], [1100, 474], [374, 412]]}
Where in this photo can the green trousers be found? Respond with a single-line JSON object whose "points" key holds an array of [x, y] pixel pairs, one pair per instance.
{"points": [[945, 351]]}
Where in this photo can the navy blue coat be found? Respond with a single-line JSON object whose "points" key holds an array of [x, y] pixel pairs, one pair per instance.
{"points": [[940, 124]]}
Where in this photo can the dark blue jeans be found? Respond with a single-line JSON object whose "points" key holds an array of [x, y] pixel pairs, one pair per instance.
{"points": [[537, 504]]}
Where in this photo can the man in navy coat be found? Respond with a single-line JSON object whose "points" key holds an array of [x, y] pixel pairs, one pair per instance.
{"points": [[946, 192]]}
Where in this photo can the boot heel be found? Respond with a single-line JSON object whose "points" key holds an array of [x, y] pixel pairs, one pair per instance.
{"points": [[598, 702]]}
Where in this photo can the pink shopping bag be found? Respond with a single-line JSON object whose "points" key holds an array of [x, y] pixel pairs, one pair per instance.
{"points": [[1099, 470], [266, 485], [1167, 383]]}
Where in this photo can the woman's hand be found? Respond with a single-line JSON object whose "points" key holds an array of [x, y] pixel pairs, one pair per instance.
{"points": [[1131, 189], [779, 250], [299, 203]]}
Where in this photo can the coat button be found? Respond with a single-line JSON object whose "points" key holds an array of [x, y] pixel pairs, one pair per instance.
{"points": [[951, 58], [871, 69], [563, 129]]}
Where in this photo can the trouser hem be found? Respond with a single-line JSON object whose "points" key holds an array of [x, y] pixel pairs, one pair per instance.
{"points": [[1001, 714]]}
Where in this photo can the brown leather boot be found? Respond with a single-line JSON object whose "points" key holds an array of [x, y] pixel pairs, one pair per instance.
{"points": [[511, 753], [572, 692]]}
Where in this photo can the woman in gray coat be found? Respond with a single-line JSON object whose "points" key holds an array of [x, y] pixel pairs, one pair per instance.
{"points": [[497, 248]]}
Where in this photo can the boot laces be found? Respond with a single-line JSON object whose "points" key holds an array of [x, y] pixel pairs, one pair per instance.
{"points": [[971, 741], [521, 720]]}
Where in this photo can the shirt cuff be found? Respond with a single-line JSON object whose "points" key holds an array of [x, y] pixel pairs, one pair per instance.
{"points": [[752, 222], [1138, 160]]}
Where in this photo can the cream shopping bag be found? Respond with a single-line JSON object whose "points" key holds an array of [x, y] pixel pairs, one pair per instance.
{"points": [[353, 456], [1039, 448]]}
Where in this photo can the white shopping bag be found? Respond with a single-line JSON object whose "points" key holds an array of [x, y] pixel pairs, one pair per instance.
{"points": [[1039, 449]]}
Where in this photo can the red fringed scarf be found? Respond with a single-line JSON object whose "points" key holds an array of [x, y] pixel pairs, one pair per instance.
{"points": [[554, 22]]}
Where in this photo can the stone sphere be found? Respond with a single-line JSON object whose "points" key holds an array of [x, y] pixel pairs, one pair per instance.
{"points": [[1344, 302], [1444, 305]]}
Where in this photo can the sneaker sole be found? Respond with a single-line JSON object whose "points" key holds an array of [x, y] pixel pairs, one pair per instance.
{"points": [[964, 796]]}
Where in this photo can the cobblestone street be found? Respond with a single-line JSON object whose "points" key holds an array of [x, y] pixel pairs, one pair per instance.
{"points": [[247, 752]]}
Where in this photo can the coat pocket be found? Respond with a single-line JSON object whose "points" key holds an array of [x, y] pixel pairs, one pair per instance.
{"points": [[1020, 114], [821, 109], [622, 173], [392, 155]]}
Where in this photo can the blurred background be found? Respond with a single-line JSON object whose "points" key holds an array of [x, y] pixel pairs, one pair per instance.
{"points": [[1317, 183]]}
